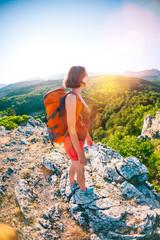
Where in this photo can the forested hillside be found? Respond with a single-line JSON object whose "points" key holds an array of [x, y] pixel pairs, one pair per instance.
{"points": [[28, 99], [117, 101], [118, 106], [11, 87]]}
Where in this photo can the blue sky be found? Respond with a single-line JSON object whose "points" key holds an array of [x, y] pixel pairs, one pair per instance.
{"points": [[42, 38]]}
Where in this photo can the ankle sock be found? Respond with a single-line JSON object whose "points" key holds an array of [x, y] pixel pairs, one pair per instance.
{"points": [[73, 183], [84, 190]]}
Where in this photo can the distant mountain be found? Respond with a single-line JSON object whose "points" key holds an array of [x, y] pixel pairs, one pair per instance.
{"points": [[2, 85], [62, 76], [14, 86], [6, 89], [53, 77], [152, 75], [57, 77]]}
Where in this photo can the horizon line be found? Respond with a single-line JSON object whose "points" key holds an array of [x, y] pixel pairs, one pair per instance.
{"points": [[89, 73]]}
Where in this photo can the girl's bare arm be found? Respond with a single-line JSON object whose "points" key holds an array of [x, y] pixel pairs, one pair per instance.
{"points": [[70, 105]]}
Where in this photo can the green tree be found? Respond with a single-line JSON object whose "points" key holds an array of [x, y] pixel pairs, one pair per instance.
{"points": [[11, 112]]}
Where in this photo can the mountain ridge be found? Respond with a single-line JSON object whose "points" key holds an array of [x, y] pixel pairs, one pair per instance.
{"points": [[24, 84], [150, 74], [2, 85]]}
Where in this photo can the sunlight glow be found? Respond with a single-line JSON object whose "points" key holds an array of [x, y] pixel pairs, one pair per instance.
{"points": [[125, 38], [126, 33]]}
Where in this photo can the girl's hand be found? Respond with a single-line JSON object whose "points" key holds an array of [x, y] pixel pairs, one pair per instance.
{"points": [[82, 159], [89, 140]]}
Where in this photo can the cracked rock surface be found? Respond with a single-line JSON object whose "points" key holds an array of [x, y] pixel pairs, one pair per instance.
{"points": [[35, 196], [151, 126]]}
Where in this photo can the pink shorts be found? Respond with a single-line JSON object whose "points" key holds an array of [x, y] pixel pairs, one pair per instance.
{"points": [[72, 153]]}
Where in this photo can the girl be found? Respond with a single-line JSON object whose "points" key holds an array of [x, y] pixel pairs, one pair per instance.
{"points": [[77, 78]]}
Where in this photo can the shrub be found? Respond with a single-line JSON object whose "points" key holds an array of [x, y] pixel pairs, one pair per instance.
{"points": [[11, 112], [13, 121]]}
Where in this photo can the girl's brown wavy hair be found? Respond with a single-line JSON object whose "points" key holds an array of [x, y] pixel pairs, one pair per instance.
{"points": [[74, 77]]}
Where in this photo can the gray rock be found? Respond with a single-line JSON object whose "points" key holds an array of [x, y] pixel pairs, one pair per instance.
{"points": [[48, 234], [12, 143], [150, 198], [89, 180], [103, 203], [83, 199], [156, 195], [38, 227], [111, 173], [28, 130], [129, 191], [130, 167], [48, 163], [151, 127], [23, 141], [116, 203], [39, 122], [55, 194], [34, 140], [36, 179], [59, 225], [9, 171], [138, 180], [55, 212], [1, 189], [2, 131], [31, 121], [63, 184], [98, 237], [100, 157], [157, 233], [96, 223], [142, 219], [44, 214], [59, 159], [56, 162], [2, 128], [45, 223], [25, 198], [149, 185], [112, 235], [105, 220], [54, 180], [27, 233], [14, 159], [19, 129], [45, 139], [2, 145], [77, 213]]}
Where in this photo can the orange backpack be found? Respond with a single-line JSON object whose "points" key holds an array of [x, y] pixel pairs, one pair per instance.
{"points": [[54, 102]]}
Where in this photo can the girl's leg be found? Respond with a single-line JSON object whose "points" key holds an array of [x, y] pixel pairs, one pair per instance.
{"points": [[71, 174], [79, 169]]}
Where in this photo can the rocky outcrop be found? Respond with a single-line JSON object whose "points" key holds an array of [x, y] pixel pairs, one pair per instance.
{"points": [[123, 205], [151, 127], [25, 197]]}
